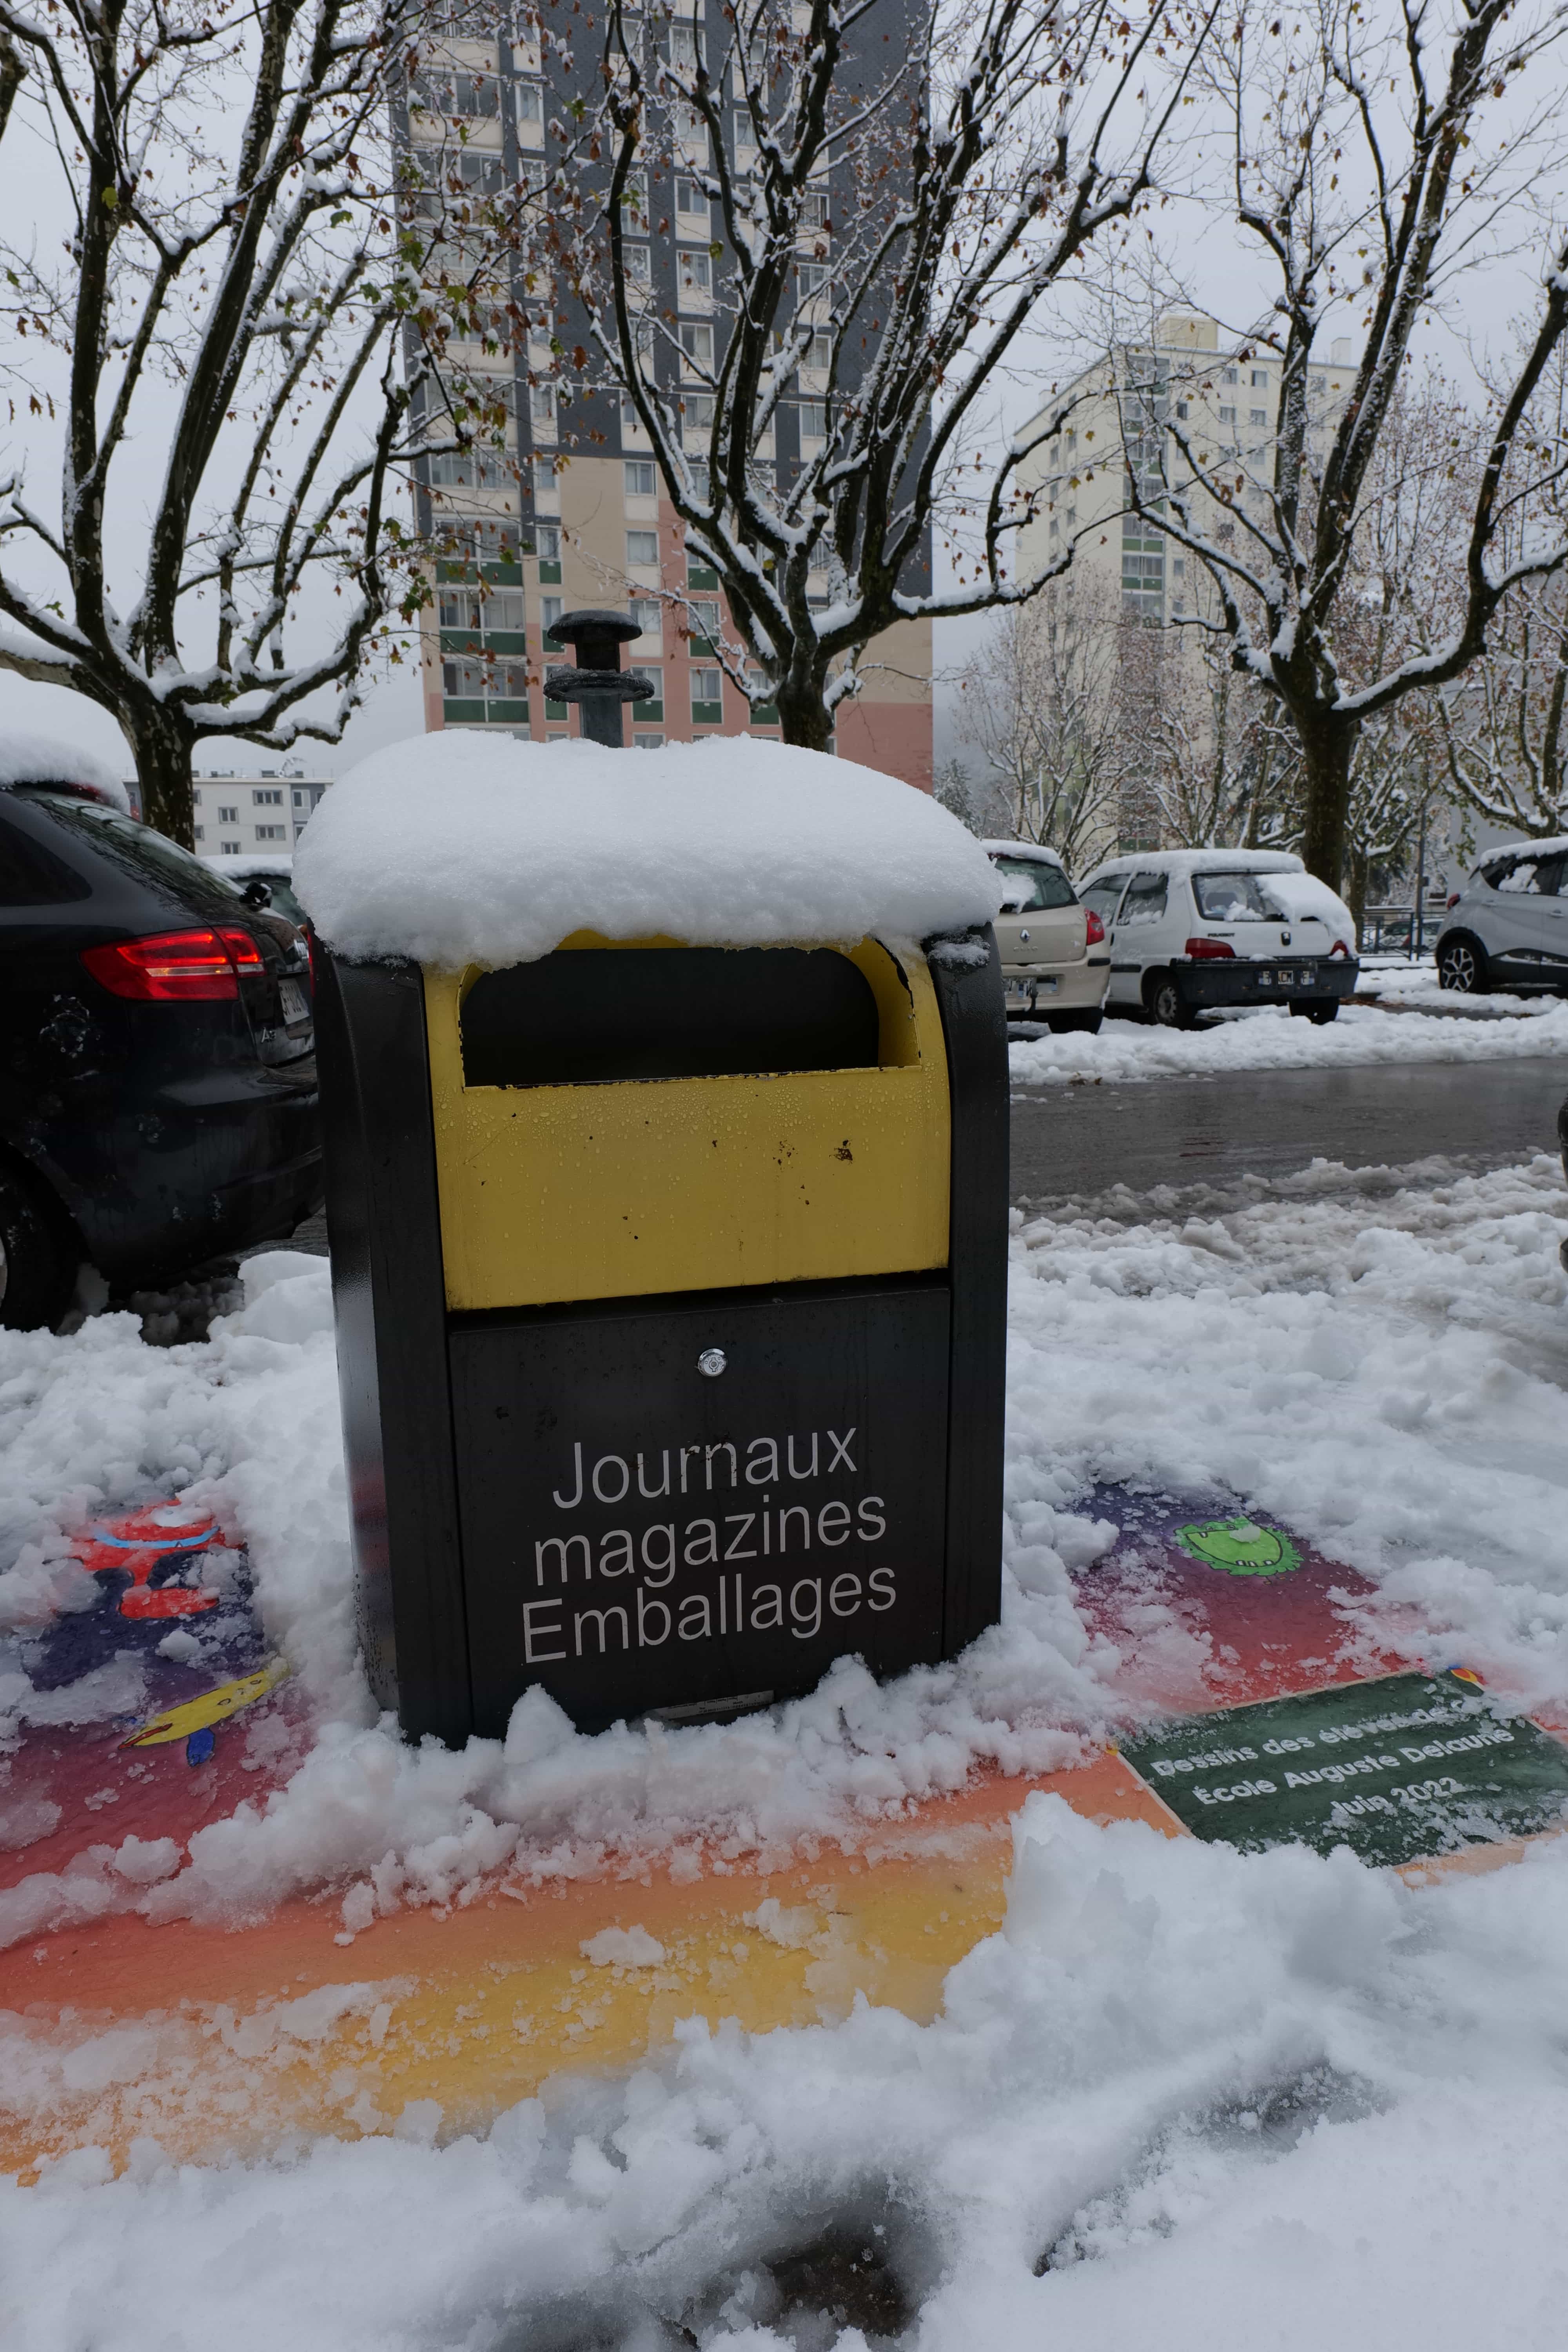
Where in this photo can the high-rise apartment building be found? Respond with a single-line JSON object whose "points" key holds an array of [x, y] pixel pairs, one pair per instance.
{"points": [[572, 511], [1124, 408]]}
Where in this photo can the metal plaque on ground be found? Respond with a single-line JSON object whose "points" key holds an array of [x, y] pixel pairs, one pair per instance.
{"points": [[1400, 1768]]}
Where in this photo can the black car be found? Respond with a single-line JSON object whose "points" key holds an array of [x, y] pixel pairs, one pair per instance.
{"points": [[159, 1104]]}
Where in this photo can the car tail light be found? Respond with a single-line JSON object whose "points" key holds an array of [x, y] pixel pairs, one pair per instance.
{"points": [[1208, 950], [1453, 899], [169, 968], [244, 954], [1338, 947], [1093, 928]]}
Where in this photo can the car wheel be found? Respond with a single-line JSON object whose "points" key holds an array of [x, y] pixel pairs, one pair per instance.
{"points": [[40, 1263], [1166, 1002], [1082, 1025], [1462, 966]]}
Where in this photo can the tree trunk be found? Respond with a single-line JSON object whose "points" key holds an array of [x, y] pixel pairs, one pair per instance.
{"points": [[1355, 895], [803, 716], [163, 752], [1326, 748]]}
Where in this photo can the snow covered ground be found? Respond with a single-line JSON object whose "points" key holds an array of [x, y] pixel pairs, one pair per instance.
{"points": [[1271, 1039], [1185, 2098]]}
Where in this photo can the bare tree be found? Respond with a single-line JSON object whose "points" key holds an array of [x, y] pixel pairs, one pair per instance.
{"points": [[1373, 163], [1042, 705], [892, 214], [1504, 725], [233, 415]]}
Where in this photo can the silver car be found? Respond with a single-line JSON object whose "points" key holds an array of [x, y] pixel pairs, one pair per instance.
{"points": [[1055, 960], [1508, 928]]}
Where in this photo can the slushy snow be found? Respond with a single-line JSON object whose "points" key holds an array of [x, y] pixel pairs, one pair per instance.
{"points": [[463, 848], [1185, 2097], [1273, 1039]]}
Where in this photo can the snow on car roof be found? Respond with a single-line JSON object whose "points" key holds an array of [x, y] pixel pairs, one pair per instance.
{"points": [[1553, 848], [29, 758], [1202, 861], [250, 862], [1023, 849], [460, 849]]}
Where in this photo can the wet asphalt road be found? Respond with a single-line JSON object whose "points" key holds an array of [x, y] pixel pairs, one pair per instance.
{"points": [[1073, 1141]]}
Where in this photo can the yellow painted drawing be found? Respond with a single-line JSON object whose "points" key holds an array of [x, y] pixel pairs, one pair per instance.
{"points": [[212, 1706]]}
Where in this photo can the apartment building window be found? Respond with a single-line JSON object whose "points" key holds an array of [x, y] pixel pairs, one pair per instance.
{"points": [[542, 403], [479, 538], [1055, 528], [475, 96], [704, 621], [685, 47], [228, 816], [299, 800], [690, 200], [643, 743], [653, 709], [1182, 408], [1257, 415], [814, 210], [469, 469], [638, 264], [267, 797], [1230, 375], [201, 833], [818, 352], [813, 278], [697, 346], [765, 710], [707, 697], [642, 547], [696, 273], [1227, 416], [813, 417], [634, 197], [229, 849], [271, 833], [547, 541], [696, 411], [745, 136], [530, 102], [649, 615], [1261, 376], [550, 611]]}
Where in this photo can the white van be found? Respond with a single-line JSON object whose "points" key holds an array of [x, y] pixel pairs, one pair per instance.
{"points": [[1194, 930]]}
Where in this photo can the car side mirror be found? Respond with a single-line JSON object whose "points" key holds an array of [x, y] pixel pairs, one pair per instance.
{"points": [[257, 893]]}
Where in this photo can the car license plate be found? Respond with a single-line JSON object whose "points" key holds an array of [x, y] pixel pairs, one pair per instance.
{"points": [[291, 997]]}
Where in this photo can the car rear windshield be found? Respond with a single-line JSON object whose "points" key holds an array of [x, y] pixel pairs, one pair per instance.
{"points": [[1032, 882], [1235, 899], [146, 856]]}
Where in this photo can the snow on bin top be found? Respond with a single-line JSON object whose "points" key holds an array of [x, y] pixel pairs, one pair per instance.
{"points": [[464, 848], [28, 759]]}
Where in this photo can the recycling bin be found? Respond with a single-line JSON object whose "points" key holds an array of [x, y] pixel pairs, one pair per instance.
{"points": [[670, 1285]]}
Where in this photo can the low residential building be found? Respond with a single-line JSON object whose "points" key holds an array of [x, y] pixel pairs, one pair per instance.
{"points": [[238, 817]]}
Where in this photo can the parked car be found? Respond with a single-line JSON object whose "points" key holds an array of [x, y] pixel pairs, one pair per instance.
{"points": [[1508, 928], [1192, 930], [156, 1035], [1055, 961], [275, 874]]}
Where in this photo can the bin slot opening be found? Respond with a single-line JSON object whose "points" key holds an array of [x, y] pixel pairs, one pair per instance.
{"points": [[600, 1016]]}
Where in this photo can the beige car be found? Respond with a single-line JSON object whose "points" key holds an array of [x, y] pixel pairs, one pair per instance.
{"points": [[1055, 962]]}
